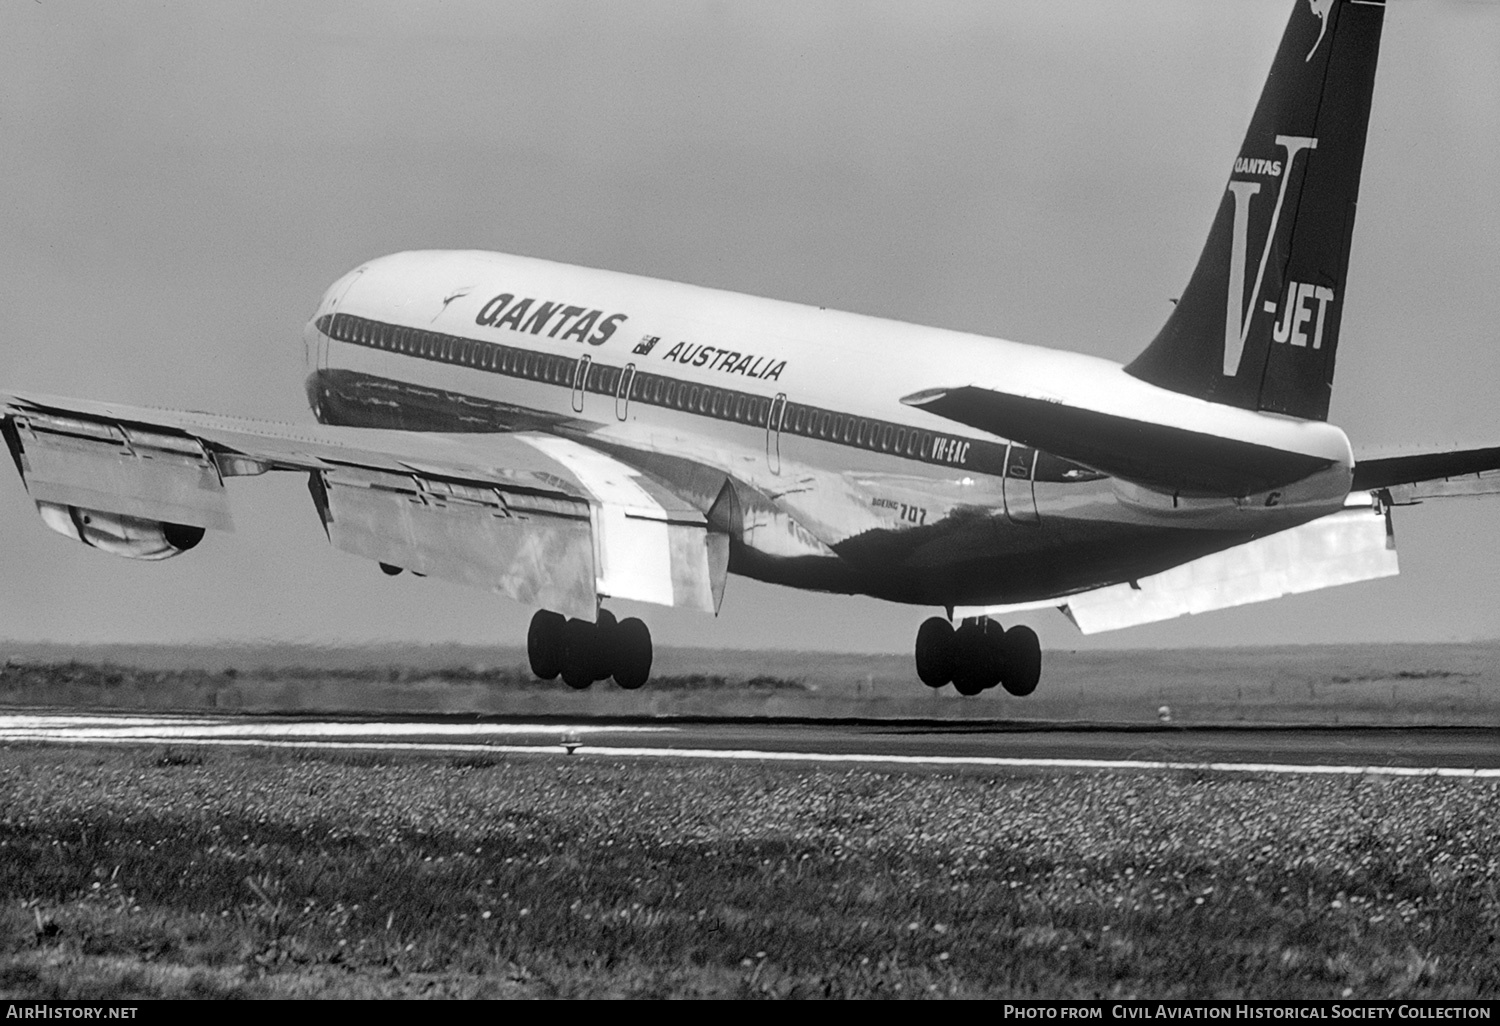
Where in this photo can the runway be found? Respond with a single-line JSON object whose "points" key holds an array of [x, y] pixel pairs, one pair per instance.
{"points": [[1454, 752]]}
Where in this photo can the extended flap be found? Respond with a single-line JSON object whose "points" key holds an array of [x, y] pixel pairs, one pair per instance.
{"points": [[100, 466], [464, 532]]}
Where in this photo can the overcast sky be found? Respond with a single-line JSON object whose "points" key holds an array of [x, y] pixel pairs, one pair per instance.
{"points": [[182, 181]]}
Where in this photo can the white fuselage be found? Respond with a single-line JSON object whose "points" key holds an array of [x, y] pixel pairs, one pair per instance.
{"points": [[840, 485]]}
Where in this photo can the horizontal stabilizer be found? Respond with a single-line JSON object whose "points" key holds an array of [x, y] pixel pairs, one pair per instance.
{"points": [[1431, 475], [1155, 455], [1349, 546]]}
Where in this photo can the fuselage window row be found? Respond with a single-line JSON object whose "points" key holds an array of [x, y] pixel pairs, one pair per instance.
{"points": [[703, 400]]}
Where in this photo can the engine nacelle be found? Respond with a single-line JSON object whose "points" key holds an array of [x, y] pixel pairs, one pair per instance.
{"points": [[118, 534]]}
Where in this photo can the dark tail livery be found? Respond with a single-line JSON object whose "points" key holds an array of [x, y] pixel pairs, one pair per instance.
{"points": [[1258, 326]]}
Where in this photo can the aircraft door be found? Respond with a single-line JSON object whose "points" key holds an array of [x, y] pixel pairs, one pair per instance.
{"points": [[622, 393], [773, 432], [1019, 487], [581, 382]]}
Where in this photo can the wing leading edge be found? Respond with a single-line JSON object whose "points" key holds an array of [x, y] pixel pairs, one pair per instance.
{"points": [[542, 519]]}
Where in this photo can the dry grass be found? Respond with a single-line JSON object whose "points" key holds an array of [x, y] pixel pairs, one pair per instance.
{"points": [[142, 873], [1326, 685]]}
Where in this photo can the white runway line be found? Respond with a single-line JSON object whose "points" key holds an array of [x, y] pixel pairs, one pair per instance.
{"points": [[100, 728], [748, 755]]}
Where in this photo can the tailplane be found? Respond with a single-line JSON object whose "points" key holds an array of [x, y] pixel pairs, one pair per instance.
{"points": [[1258, 325]]}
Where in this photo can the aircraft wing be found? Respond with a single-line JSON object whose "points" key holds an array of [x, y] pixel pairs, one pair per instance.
{"points": [[1411, 477], [543, 519], [1354, 544]]}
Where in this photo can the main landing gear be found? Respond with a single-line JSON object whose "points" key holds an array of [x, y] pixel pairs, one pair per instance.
{"points": [[583, 652], [978, 655]]}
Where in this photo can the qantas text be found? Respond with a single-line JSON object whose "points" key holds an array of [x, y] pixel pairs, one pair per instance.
{"points": [[531, 315], [1257, 166]]}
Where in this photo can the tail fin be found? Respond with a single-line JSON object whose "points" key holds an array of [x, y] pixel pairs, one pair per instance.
{"points": [[1258, 325]]}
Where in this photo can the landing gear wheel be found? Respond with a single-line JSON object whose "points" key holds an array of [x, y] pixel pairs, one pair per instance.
{"points": [[579, 654], [604, 644], [544, 644], [1023, 661], [632, 653], [935, 662], [974, 653]]}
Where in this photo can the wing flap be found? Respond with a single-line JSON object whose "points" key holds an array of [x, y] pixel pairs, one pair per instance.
{"points": [[1155, 455], [1352, 545], [463, 533], [98, 466]]}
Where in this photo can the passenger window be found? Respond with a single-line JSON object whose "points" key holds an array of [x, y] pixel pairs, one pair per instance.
{"points": [[692, 399], [739, 407], [863, 437], [526, 360]]}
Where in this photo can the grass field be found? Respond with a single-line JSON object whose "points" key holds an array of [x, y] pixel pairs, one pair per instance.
{"points": [[178, 872], [1330, 685]]}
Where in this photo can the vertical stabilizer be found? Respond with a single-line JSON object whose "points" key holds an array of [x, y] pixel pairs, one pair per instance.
{"points": [[1258, 325]]}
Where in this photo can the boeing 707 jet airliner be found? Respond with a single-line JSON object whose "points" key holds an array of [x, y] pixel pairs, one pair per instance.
{"points": [[572, 437]]}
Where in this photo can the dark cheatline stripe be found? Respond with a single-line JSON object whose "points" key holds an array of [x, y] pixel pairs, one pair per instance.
{"points": [[652, 389]]}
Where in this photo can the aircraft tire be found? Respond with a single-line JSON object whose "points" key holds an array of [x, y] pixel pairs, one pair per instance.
{"points": [[972, 659], [632, 653], [994, 652], [544, 643], [579, 654], [605, 627], [1023, 661], [934, 652]]}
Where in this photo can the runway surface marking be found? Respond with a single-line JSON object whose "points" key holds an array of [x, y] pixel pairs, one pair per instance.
{"points": [[138, 730], [62, 727]]}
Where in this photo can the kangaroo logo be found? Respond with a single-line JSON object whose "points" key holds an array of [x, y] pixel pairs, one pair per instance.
{"points": [[1239, 311], [1321, 9]]}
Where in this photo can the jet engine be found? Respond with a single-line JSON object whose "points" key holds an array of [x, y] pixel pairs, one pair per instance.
{"points": [[118, 534]]}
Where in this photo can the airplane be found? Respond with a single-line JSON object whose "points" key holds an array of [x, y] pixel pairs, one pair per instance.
{"points": [[570, 437]]}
